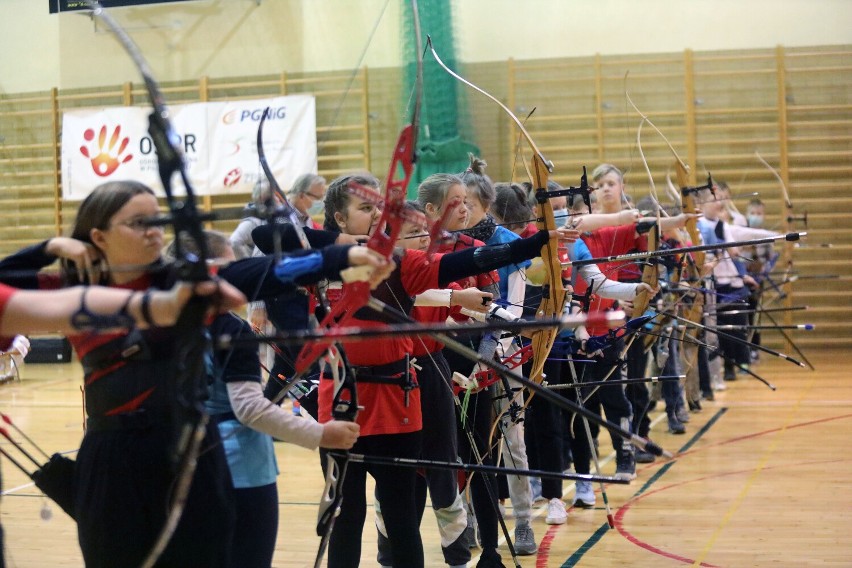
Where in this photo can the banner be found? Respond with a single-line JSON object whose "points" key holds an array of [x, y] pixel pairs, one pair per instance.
{"points": [[218, 140]]}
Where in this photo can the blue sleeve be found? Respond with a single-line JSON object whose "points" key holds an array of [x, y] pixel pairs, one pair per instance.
{"points": [[707, 233], [580, 251], [502, 236]]}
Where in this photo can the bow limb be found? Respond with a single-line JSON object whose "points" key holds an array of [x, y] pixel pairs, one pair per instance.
{"points": [[682, 175], [672, 191], [276, 187], [650, 273], [345, 397], [651, 270], [688, 205], [554, 293], [695, 265], [787, 202], [515, 119], [188, 387], [788, 218], [682, 166], [357, 293], [356, 288]]}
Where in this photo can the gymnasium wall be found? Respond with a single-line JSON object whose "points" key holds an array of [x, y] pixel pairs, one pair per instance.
{"points": [[719, 96], [226, 38]]}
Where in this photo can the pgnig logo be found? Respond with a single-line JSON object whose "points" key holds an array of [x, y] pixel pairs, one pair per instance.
{"points": [[241, 115], [105, 156]]}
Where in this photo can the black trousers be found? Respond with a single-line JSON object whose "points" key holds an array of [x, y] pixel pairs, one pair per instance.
{"points": [[637, 393], [439, 443], [483, 487], [257, 527], [124, 485], [395, 489], [731, 299], [609, 398], [544, 433], [479, 418]]}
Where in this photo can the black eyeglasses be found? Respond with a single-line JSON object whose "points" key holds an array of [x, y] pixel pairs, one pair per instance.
{"points": [[139, 224]]}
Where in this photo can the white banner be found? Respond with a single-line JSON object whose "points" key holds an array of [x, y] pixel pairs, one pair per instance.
{"points": [[219, 141]]}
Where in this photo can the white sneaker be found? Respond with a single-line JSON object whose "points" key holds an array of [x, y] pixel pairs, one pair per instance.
{"points": [[556, 513]]}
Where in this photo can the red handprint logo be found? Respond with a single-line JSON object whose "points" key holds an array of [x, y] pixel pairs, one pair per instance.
{"points": [[105, 159]]}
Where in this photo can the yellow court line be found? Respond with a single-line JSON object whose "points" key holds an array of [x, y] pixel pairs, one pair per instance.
{"points": [[753, 477]]}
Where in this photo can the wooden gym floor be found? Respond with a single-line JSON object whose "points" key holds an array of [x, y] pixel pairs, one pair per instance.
{"points": [[761, 478]]}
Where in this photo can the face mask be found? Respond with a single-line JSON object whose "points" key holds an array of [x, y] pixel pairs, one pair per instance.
{"points": [[755, 220], [316, 208], [560, 215]]}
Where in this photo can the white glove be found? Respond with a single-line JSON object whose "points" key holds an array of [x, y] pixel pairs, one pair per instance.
{"points": [[21, 344], [466, 383], [495, 313], [20, 348], [498, 313]]}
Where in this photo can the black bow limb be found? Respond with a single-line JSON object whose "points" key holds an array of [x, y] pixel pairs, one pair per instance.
{"points": [[188, 388]]}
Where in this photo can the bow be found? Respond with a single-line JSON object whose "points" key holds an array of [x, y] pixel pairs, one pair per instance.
{"points": [[357, 293], [553, 294], [789, 218], [695, 262], [787, 203], [345, 405], [287, 210], [650, 273], [188, 387]]}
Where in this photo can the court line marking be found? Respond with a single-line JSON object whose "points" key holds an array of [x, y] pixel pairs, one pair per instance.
{"points": [[764, 459], [604, 528], [624, 509], [619, 514], [542, 509]]}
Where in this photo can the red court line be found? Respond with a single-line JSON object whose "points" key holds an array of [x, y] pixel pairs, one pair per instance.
{"points": [[622, 511], [764, 432], [624, 508], [544, 548], [746, 437], [543, 554]]}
